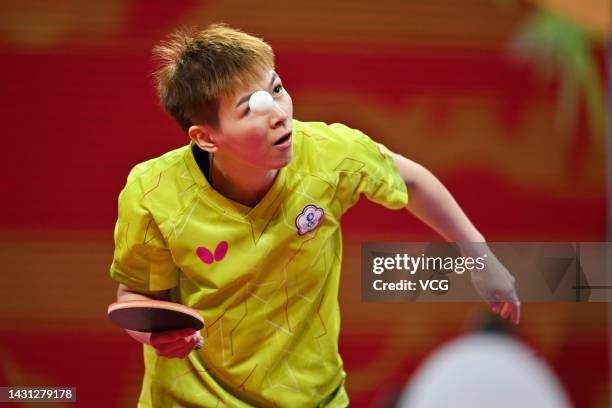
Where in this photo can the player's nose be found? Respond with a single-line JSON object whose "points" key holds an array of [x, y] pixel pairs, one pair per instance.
{"points": [[278, 116]]}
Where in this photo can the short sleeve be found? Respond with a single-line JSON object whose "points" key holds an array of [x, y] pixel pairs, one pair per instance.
{"points": [[141, 257], [367, 167]]}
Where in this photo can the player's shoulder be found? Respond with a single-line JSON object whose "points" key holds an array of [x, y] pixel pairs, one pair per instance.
{"points": [[324, 132], [144, 172], [322, 145], [147, 176]]}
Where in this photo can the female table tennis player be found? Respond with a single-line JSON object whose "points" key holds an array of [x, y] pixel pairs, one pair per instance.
{"points": [[243, 224]]}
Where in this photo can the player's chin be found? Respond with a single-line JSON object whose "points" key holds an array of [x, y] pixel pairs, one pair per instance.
{"points": [[283, 160], [276, 165]]}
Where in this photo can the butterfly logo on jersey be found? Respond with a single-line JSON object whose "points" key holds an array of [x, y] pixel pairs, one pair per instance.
{"points": [[309, 219], [208, 257]]}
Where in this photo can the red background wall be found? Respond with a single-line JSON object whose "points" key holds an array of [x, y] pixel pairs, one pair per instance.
{"points": [[436, 81]]}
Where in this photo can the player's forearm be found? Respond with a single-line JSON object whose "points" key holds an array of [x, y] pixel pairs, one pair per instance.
{"points": [[433, 204], [126, 293]]}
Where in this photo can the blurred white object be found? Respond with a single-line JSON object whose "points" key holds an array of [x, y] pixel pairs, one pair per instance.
{"points": [[484, 370], [261, 102]]}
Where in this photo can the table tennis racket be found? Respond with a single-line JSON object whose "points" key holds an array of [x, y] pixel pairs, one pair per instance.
{"points": [[153, 316]]}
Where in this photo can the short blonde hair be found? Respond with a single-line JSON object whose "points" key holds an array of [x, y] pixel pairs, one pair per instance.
{"points": [[196, 67]]}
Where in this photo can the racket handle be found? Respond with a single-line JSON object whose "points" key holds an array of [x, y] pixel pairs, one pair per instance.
{"points": [[200, 344]]}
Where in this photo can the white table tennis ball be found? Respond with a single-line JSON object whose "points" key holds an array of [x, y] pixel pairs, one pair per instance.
{"points": [[261, 102]]}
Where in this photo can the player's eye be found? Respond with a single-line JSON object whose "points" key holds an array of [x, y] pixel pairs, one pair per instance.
{"points": [[277, 90]]}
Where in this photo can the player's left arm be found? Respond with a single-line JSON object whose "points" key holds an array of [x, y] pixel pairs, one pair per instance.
{"points": [[433, 204]]}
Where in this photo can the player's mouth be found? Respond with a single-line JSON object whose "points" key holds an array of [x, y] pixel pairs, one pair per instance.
{"points": [[284, 141]]}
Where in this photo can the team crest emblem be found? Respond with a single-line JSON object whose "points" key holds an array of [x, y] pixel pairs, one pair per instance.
{"points": [[309, 219]]}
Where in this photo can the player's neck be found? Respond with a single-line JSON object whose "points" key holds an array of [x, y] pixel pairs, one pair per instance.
{"points": [[246, 185]]}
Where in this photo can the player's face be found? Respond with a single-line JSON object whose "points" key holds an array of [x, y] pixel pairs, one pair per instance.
{"points": [[258, 140]]}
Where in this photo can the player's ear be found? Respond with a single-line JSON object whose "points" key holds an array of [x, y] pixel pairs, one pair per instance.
{"points": [[203, 136]]}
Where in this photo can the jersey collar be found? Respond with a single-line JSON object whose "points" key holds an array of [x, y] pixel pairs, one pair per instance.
{"points": [[259, 216]]}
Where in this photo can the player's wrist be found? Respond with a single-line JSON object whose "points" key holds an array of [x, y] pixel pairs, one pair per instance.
{"points": [[474, 248]]}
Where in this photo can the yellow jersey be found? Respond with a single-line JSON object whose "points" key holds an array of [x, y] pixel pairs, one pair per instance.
{"points": [[265, 279]]}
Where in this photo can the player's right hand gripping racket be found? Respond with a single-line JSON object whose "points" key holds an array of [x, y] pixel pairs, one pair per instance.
{"points": [[153, 316]]}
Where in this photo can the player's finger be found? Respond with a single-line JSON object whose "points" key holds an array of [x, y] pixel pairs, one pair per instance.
{"points": [[199, 341], [496, 307], [515, 307], [516, 312], [182, 343], [170, 336], [178, 348], [171, 349], [181, 353], [505, 311]]}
